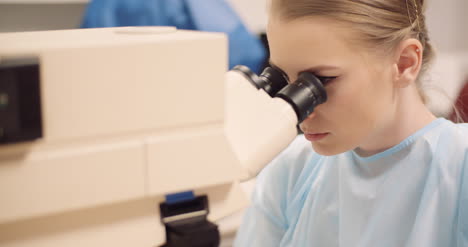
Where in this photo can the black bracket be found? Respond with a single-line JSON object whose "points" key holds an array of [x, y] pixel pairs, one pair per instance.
{"points": [[187, 225], [20, 100]]}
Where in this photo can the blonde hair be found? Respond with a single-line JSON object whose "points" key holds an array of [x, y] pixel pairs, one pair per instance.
{"points": [[381, 24]]}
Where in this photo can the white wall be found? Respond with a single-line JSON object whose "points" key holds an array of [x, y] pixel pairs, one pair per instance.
{"points": [[34, 15], [445, 19], [253, 12]]}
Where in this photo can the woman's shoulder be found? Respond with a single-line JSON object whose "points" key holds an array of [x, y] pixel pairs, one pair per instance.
{"points": [[449, 153], [449, 137], [454, 145], [459, 130]]}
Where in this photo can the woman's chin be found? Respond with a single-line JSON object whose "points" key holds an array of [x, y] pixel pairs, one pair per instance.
{"points": [[328, 149]]}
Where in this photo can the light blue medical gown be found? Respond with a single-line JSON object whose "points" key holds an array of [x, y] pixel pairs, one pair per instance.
{"points": [[413, 194]]}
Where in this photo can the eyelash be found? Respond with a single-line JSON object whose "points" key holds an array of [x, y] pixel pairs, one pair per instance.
{"points": [[323, 79], [326, 79]]}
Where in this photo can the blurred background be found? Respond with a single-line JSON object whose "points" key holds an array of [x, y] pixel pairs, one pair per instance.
{"points": [[447, 22]]}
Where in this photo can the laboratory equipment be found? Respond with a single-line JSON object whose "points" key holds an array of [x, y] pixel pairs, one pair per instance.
{"points": [[118, 136]]}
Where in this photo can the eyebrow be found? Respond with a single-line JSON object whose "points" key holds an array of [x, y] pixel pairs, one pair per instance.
{"points": [[313, 69], [319, 68]]}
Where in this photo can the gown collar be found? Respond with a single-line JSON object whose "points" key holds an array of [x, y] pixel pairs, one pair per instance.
{"points": [[405, 143]]}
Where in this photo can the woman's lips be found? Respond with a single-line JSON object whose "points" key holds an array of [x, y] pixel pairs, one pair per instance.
{"points": [[315, 137]]}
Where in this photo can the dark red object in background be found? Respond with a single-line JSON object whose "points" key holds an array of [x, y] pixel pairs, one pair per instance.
{"points": [[462, 104]]}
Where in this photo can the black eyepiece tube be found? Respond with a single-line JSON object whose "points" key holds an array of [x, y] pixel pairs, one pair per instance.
{"points": [[271, 80], [304, 94]]}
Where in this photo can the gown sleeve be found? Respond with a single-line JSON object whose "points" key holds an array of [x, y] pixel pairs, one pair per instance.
{"points": [[265, 222], [462, 236]]}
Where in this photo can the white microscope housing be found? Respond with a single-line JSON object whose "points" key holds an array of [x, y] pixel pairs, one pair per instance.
{"points": [[122, 118]]}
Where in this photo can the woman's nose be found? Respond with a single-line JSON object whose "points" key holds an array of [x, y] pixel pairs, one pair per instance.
{"points": [[311, 116]]}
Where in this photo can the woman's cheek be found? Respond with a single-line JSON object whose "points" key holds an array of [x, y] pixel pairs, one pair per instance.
{"points": [[336, 95]]}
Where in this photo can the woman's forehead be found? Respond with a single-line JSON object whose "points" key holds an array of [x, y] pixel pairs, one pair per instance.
{"points": [[316, 40]]}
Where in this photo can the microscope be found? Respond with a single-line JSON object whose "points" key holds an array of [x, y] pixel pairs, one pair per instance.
{"points": [[134, 136]]}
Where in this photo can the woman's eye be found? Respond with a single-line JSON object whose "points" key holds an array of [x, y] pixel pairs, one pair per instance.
{"points": [[325, 79]]}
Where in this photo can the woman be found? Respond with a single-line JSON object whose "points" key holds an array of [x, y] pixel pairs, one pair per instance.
{"points": [[374, 167]]}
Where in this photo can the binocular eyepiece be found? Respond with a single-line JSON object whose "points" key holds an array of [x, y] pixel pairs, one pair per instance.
{"points": [[303, 95]]}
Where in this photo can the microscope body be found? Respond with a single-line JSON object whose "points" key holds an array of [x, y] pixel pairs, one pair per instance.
{"points": [[128, 116], [101, 128]]}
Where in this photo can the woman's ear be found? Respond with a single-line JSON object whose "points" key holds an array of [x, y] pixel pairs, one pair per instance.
{"points": [[408, 59]]}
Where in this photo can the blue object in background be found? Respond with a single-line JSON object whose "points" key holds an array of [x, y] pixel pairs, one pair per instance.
{"points": [[206, 15]]}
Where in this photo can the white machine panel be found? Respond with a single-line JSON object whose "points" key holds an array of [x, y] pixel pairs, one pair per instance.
{"points": [[140, 81], [128, 115]]}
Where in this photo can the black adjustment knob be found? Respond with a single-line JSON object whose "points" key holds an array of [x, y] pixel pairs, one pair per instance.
{"points": [[271, 80]]}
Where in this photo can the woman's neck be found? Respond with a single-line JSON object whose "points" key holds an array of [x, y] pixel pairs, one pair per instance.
{"points": [[409, 116]]}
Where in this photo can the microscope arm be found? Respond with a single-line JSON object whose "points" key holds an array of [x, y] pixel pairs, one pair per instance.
{"points": [[257, 125]]}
